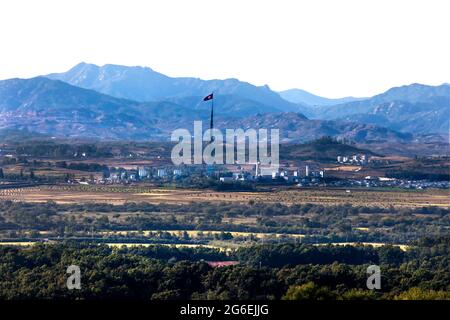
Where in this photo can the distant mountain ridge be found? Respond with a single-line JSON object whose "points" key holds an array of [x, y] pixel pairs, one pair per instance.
{"points": [[295, 127], [144, 84], [56, 108], [415, 108], [300, 96]]}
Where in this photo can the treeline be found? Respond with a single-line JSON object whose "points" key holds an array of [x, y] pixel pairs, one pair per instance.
{"points": [[83, 166], [171, 273], [418, 175], [204, 182], [230, 208], [317, 223], [92, 149], [62, 150]]}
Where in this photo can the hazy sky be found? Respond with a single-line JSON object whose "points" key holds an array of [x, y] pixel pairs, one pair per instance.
{"points": [[332, 48]]}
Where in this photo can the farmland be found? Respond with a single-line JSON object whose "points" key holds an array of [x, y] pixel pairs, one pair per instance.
{"points": [[121, 194]]}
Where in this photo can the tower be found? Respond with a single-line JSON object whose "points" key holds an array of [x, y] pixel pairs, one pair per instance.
{"points": [[257, 173]]}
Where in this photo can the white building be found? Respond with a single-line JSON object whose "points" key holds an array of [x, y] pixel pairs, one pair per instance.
{"points": [[142, 173], [161, 173]]}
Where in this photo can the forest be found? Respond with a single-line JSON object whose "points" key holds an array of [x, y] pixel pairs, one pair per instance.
{"points": [[280, 271], [317, 223]]}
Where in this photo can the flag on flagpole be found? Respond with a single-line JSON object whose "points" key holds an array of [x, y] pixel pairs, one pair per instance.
{"points": [[208, 97]]}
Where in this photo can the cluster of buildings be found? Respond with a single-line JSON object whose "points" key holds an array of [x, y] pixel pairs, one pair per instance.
{"points": [[142, 173], [373, 182], [303, 178], [7, 152], [268, 174], [255, 174]]}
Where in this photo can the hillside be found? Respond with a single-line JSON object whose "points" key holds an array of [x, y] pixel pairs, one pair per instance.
{"points": [[300, 96], [144, 84], [294, 127], [55, 108], [416, 108], [59, 109], [15, 135], [323, 149]]}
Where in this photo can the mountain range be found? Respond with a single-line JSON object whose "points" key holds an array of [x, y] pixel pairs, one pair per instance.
{"points": [[118, 102], [56, 108], [416, 108], [306, 98], [143, 84], [295, 127]]}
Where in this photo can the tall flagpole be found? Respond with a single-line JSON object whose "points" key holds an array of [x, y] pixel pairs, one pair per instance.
{"points": [[211, 125]]}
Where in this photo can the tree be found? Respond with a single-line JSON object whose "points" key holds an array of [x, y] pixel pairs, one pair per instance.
{"points": [[106, 174], [309, 291], [359, 294], [422, 294]]}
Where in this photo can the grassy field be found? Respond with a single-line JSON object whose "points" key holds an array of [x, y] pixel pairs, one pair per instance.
{"points": [[199, 233], [123, 194], [221, 246]]}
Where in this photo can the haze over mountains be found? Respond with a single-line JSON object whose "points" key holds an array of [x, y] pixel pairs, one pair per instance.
{"points": [[56, 108], [117, 102], [144, 84], [416, 108], [303, 97], [59, 109]]}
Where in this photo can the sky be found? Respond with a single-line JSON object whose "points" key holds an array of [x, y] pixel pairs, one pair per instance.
{"points": [[333, 48]]}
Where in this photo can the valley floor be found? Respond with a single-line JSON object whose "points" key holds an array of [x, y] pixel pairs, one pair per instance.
{"points": [[288, 196]]}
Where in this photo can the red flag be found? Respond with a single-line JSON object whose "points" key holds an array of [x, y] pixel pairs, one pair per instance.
{"points": [[208, 97]]}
